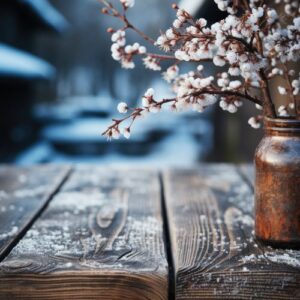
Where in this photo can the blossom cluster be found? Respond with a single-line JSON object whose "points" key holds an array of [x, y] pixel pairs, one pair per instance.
{"points": [[124, 53], [250, 47]]}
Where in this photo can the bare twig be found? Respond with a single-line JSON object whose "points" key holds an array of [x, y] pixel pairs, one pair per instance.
{"points": [[124, 19]]}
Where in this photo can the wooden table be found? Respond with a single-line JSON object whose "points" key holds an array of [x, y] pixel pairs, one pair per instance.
{"points": [[98, 232]]}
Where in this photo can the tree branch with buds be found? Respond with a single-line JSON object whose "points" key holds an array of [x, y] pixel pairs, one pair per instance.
{"points": [[250, 48]]}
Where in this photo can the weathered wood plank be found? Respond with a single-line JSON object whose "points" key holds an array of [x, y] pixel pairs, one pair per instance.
{"points": [[24, 191], [101, 237], [214, 251]]}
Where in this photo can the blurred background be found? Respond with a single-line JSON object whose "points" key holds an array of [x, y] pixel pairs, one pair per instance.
{"points": [[59, 88]]}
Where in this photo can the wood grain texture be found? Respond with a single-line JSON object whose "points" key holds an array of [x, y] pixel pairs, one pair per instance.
{"points": [[101, 237], [24, 191], [214, 251]]}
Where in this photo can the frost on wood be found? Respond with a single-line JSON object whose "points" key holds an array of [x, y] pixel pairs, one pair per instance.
{"points": [[290, 258], [252, 46], [10, 233], [101, 218], [214, 249], [23, 192]]}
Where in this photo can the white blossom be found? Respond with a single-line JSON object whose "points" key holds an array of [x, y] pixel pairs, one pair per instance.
{"points": [[149, 92], [127, 64], [154, 108], [231, 57], [234, 71], [115, 134], [201, 22], [276, 71], [145, 102], [142, 50], [119, 37], [177, 23], [171, 73], [128, 3], [116, 54], [200, 68], [231, 106], [181, 15], [282, 110], [235, 84], [219, 61], [296, 86], [254, 123], [223, 82], [292, 106], [282, 90], [126, 132], [166, 40], [259, 107], [151, 63], [122, 107], [272, 16]]}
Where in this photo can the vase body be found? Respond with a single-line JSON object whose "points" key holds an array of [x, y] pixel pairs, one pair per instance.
{"points": [[277, 184]]}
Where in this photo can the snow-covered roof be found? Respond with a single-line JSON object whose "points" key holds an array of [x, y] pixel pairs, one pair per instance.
{"points": [[15, 63], [45, 13]]}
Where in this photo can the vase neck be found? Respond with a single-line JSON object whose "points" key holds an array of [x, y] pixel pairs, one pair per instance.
{"points": [[284, 126]]}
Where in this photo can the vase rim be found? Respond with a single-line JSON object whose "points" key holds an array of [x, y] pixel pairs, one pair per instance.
{"points": [[282, 124]]}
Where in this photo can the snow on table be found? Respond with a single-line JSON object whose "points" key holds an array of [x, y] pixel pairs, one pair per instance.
{"points": [[120, 232]]}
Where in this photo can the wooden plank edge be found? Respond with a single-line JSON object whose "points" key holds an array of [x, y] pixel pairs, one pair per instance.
{"points": [[86, 286], [54, 189]]}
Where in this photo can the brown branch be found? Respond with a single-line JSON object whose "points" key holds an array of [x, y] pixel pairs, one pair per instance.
{"points": [[297, 10], [246, 5], [171, 57], [248, 46], [270, 109], [123, 18], [228, 93], [143, 35], [161, 56], [137, 111], [268, 105]]}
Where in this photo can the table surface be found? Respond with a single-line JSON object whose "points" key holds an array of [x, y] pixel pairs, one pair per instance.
{"points": [[99, 232]]}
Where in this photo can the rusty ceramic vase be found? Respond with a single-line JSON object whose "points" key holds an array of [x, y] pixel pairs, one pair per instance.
{"points": [[277, 184]]}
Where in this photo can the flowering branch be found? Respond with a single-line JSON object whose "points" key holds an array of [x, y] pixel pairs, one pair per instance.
{"points": [[110, 10], [151, 105], [269, 106], [249, 45], [229, 93]]}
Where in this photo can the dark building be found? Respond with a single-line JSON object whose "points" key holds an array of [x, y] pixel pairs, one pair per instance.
{"points": [[20, 70]]}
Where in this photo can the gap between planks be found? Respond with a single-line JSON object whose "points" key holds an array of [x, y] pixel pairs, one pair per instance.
{"points": [[245, 269], [167, 239]]}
